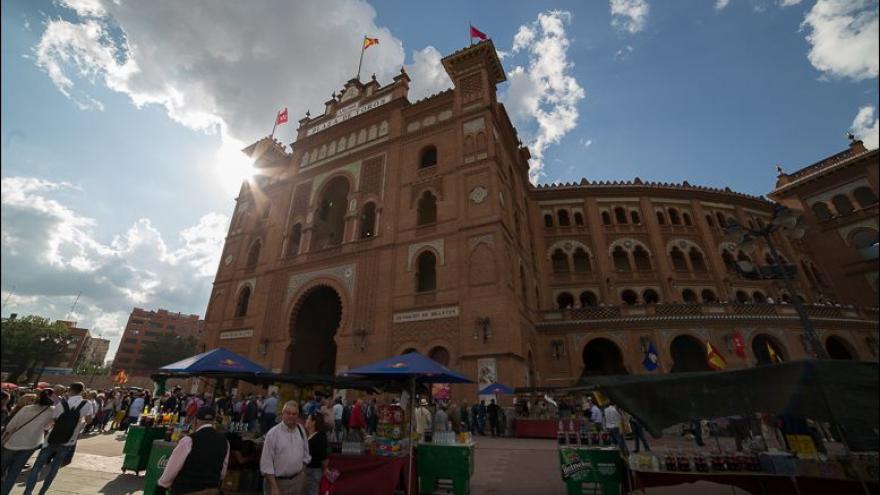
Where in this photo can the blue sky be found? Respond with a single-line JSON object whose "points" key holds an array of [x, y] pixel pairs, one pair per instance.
{"points": [[121, 123]]}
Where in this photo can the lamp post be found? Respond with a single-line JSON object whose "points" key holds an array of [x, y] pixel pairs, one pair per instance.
{"points": [[786, 221]]}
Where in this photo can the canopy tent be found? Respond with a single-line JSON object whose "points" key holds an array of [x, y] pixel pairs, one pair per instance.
{"points": [[215, 360], [496, 388], [412, 368], [841, 392]]}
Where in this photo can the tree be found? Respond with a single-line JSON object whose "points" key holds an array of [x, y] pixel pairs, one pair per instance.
{"points": [[166, 349], [91, 369], [30, 342]]}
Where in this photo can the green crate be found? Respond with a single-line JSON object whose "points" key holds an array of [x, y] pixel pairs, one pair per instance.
{"points": [[441, 461], [134, 462], [591, 471], [159, 455]]}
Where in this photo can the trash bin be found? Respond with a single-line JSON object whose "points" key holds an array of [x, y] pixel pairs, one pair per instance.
{"points": [[591, 471], [137, 447], [159, 455], [445, 466]]}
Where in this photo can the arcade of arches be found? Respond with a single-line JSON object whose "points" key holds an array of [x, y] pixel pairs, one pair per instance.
{"points": [[688, 354], [602, 357], [313, 326]]}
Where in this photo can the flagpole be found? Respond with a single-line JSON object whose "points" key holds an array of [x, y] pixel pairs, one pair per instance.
{"points": [[361, 61], [275, 125]]}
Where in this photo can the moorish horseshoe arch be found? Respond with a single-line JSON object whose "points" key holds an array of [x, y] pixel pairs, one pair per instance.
{"points": [[293, 355]]}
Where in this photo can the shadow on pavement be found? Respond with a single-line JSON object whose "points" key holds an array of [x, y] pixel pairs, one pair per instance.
{"points": [[123, 484]]}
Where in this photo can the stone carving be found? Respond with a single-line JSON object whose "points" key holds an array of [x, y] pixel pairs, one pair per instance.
{"points": [[487, 239], [478, 194], [252, 282], [345, 274]]}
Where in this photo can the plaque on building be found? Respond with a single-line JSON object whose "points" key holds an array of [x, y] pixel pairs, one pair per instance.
{"points": [[236, 334], [427, 314]]}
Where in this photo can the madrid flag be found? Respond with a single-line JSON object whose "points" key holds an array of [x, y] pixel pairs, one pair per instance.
{"points": [[476, 33], [282, 117]]}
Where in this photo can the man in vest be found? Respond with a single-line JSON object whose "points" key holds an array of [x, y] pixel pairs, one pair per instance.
{"points": [[198, 463]]}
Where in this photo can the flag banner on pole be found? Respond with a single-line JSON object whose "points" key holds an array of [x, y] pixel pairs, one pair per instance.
{"points": [[714, 359], [652, 360], [774, 357], [739, 344], [368, 42], [476, 33], [281, 118]]}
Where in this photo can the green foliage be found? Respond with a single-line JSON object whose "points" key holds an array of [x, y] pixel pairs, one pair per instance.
{"points": [[32, 340], [91, 369], [166, 349]]}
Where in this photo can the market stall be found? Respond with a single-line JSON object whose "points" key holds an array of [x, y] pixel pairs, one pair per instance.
{"points": [[841, 393]]}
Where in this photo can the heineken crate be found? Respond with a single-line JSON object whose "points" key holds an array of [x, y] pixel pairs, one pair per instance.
{"points": [[159, 455], [591, 471], [449, 465]]}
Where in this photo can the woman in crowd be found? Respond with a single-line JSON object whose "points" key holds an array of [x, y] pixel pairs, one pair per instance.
{"points": [[23, 435], [318, 448]]}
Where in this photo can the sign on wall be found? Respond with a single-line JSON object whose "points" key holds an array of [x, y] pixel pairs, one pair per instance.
{"points": [[427, 314], [347, 113]]}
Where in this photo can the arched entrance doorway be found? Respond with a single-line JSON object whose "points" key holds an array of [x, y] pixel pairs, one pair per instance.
{"points": [[312, 327], [768, 350], [688, 354], [839, 349], [602, 357]]}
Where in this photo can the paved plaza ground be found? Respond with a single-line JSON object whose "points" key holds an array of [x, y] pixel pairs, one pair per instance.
{"points": [[504, 466]]}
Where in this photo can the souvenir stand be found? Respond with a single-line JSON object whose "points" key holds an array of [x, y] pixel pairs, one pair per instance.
{"points": [[532, 426], [411, 369], [841, 393]]}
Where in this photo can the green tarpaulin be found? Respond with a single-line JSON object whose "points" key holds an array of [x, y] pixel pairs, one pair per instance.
{"points": [[841, 392]]}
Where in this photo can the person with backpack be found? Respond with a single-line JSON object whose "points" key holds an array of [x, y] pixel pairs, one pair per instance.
{"points": [[70, 415], [23, 435]]}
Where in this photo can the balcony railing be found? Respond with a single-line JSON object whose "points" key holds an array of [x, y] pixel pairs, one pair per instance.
{"points": [[709, 311]]}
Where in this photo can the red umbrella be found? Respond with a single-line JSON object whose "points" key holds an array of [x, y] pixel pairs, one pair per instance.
{"points": [[8, 386]]}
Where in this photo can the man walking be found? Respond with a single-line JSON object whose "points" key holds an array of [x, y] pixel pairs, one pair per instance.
{"points": [[492, 411], [338, 409], [285, 454], [612, 425], [135, 410], [70, 416], [270, 412], [198, 462]]}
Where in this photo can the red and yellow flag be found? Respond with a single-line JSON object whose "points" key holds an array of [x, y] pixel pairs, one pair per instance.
{"points": [[714, 358], [774, 357], [368, 42]]}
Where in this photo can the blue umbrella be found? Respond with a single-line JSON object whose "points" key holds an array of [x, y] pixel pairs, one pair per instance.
{"points": [[215, 360], [496, 388]]}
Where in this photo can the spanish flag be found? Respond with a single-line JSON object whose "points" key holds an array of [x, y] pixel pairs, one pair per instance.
{"points": [[714, 359], [774, 357], [368, 42]]}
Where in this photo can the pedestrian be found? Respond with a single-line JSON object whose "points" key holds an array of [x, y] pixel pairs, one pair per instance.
{"points": [[454, 417], [638, 432], [4, 409], [465, 416], [596, 416], [134, 410], [198, 463], [327, 411], [424, 420], [441, 419], [249, 413], [612, 425], [482, 413], [475, 412], [492, 412], [372, 415], [346, 417], [338, 410], [285, 454], [318, 449], [71, 414], [24, 434], [357, 423], [270, 413]]}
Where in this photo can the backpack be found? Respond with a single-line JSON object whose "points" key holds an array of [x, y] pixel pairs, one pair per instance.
{"points": [[65, 424]]}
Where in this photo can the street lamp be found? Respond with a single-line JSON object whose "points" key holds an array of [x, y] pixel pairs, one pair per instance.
{"points": [[788, 222]]}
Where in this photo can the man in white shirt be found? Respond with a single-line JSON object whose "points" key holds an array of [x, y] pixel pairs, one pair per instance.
{"points": [[424, 418], [285, 454], [612, 425], [596, 416], [337, 419], [135, 410], [270, 413], [70, 415]]}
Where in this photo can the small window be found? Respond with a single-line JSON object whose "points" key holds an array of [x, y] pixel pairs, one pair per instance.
{"points": [[729, 261], [621, 260], [634, 216], [865, 196], [697, 261], [606, 218], [581, 261], [254, 254], [629, 297], [429, 157], [650, 296], [426, 274], [578, 218], [244, 298], [721, 222], [689, 296], [709, 221], [563, 218], [548, 220], [842, 204], [709, 296], [295, 238], [560, 261], [678, 261], [564, 300], [588, 299], [642, 259], [620, 215], [687, 219], [368, 221], [743, 296], [661, 218], [822, 211], [427, 212], [759, 297]]}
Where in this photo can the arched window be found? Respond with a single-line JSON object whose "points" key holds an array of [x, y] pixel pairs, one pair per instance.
{"points": [[548, 220], [689, 296], [426, 274], [865, 196], [578, 218], [254, 254], [822, 211], [562, 215], [759, 297], [560, 261], [620, 215], [709, 220], [661, 218], [621, 260], [295, 239], [564, 300], [588, 299], [842, 204], [427, 212], [709, 296], [721, 221], [629, 297], [729, 261], [785, 298], [581, 261], [650, 296], [368, 220], [698, 263], [673, 217], [634, 217], [743, 296], [429, 157], [244, 298], [642, 259], [606, 218], [866, 241], [687, 219], [678, 261], [332, 207]]}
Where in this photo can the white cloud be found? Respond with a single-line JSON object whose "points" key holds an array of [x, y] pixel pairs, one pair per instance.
{"points": [[867, 127], [629, 15], [843, 35], [586, 143], [721, 4], [623, 53], [427, 74], [51, 253], [545, 90], [788, 3]]}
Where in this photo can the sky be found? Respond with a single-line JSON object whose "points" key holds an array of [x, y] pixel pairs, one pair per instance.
{"points": [[122, 121]]}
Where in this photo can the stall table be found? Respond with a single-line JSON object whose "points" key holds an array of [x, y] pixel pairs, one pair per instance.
{"points": [[536, 428], [370, 474]]}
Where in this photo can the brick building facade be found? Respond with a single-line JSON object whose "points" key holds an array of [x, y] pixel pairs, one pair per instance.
{"points": [[394, 226], [145, 326]]}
